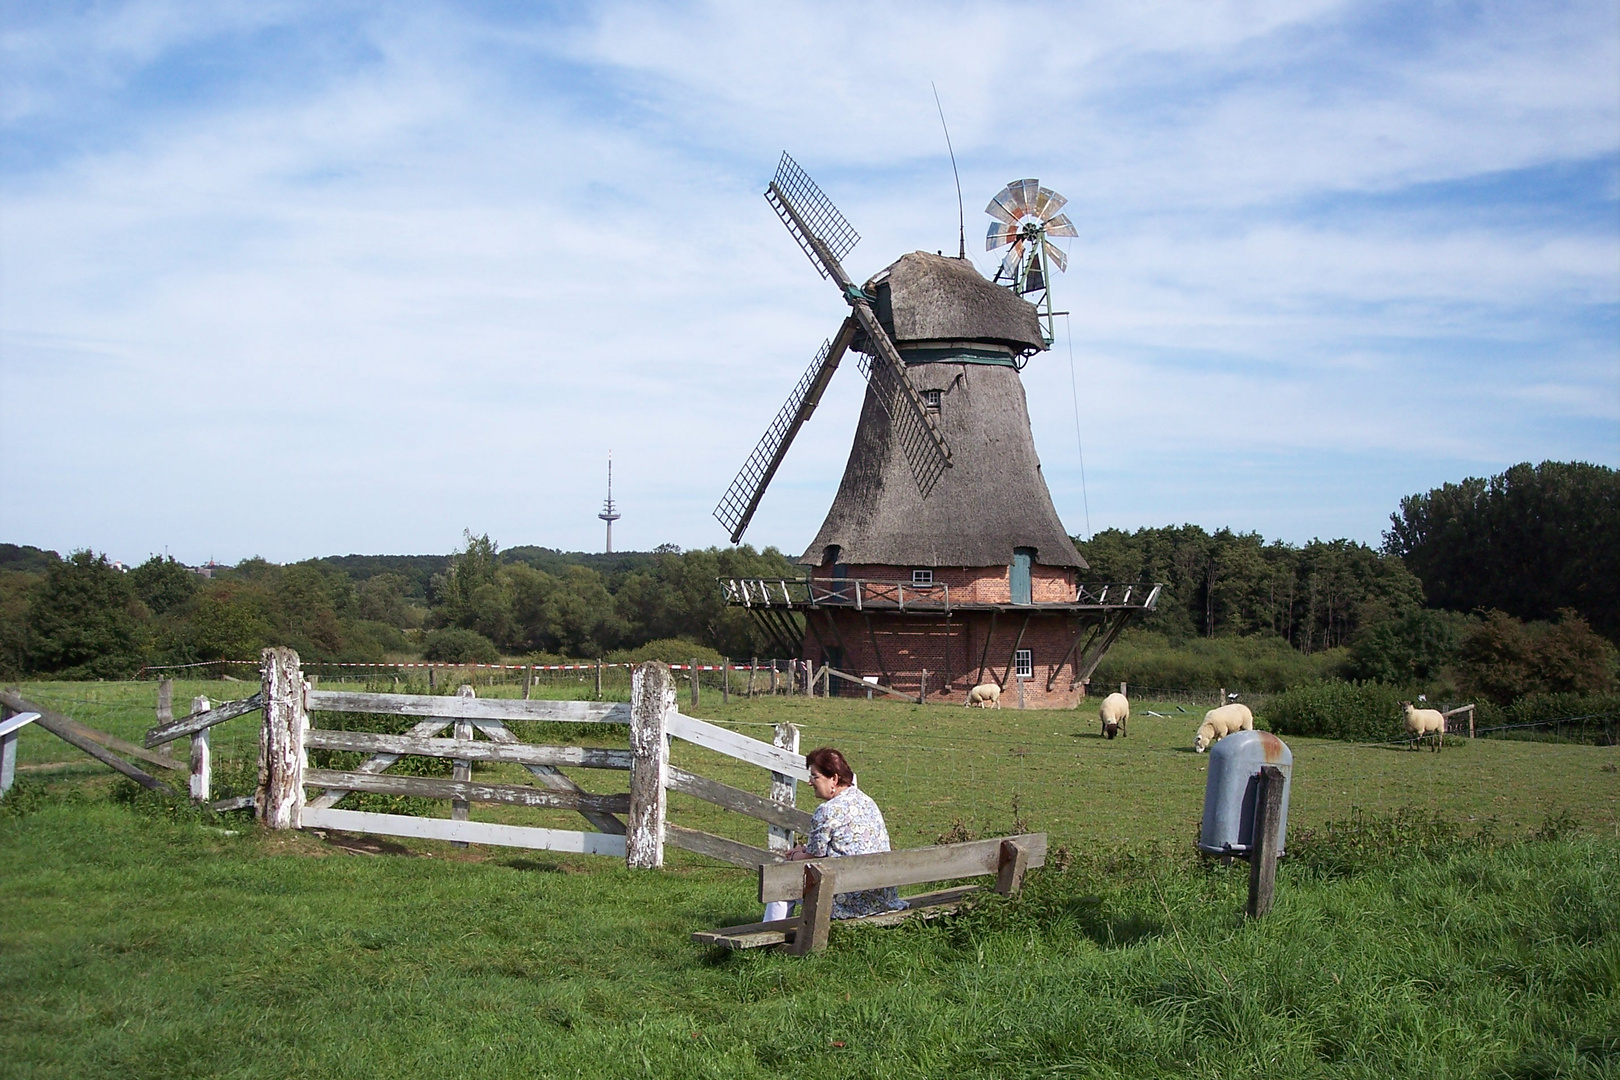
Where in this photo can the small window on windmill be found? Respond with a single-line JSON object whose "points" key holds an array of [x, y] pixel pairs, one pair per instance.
{"points": [[1024, 664], [922, 577], [931, 399]]}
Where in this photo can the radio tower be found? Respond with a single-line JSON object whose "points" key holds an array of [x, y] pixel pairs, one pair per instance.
{"points": [[609, 514]]}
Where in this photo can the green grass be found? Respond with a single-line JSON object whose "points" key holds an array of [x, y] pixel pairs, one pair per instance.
{"points": [[935, 767], [142, 939]]}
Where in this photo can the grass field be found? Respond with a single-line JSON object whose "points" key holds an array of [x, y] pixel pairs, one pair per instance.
{"points": [[143, 939]]}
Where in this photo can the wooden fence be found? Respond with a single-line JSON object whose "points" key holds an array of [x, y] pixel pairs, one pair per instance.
{"points": [[632, 825]]}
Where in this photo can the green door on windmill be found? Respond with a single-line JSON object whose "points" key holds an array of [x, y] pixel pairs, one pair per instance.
{"points": [[1019, 574]]}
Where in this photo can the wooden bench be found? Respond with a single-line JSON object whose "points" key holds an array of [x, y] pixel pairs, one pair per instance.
{"points": [[814, 882]]}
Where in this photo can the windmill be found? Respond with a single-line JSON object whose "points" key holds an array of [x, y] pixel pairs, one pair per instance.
{"points": [[1026, 218], [942, 559]]}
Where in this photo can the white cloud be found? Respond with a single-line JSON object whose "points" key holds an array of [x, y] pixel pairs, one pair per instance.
{"points": [[429, 268]]}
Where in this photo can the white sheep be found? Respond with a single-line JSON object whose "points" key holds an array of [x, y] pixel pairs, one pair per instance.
{"points": [[1422, 722], [1221, 722], [985, 696], [1113, 712]]}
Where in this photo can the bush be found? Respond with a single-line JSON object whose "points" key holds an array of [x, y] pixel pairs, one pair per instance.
{"points": [[1364, 712], [1503, 659], [458, 646], [1259, 663], [669, 650]]}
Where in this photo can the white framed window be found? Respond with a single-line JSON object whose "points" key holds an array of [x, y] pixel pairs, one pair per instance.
{"points": [[1024, 663], [931, 398], [922, 577]]}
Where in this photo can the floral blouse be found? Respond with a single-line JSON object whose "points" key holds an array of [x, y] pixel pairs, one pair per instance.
{"points": [[850, 823]]}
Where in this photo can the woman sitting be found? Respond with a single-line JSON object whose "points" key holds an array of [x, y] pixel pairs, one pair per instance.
{"points": [[847, 822]]}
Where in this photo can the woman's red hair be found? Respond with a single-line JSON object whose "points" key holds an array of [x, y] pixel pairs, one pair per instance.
{"points": [[829, 762]]}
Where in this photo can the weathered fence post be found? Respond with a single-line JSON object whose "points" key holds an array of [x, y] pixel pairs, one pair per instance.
{"points": [[1122, 690], [8, 752], [278, 802], [826, 680], [202, 758], [784, 789], [1220, 697], [753, 665], [1263, 855], [598, 678], [773, 678], [922, 688], [725, 680], [165, 702], [1021, 682], [693, 670], [461, 769], [528, 681], [432, 686], [652, 698]]}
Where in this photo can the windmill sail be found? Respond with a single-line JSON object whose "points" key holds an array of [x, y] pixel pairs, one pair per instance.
{"points": [[826, 237], [741, 499]]}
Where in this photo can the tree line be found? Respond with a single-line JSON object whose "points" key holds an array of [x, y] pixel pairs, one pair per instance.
{"points": [[80, 617], [1489, 584]]}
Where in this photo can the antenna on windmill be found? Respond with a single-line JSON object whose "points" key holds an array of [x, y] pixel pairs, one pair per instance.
{"points": [[609, 514], [1027, 218], [961, 218]]}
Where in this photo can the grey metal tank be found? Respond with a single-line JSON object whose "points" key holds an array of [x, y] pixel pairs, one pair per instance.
{"points": [[1234, 781]]}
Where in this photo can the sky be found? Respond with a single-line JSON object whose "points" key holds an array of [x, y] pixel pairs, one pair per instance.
{"points": [[301, 279]]}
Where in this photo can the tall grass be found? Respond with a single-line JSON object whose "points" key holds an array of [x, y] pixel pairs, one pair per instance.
{"points": [[142, 943]]}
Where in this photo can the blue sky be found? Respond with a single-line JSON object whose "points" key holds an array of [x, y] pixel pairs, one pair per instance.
{"points": [[299, 279]]}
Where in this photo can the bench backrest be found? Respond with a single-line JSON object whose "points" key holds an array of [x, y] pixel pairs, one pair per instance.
{"points": [[912, 866]]}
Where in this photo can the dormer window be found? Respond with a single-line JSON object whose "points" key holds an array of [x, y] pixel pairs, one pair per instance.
{"points": [[931, 399], [922, 577]]}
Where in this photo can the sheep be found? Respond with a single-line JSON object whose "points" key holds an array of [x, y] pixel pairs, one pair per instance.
{"points": [[1423, 722], [985, 696], [1221, 722], [1113, 713]]}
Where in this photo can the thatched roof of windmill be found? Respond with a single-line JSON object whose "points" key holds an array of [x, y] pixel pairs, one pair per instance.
{"points": [[993, 499], [926, 298]]}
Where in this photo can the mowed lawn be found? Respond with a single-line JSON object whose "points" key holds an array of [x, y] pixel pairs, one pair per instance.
{"points": [[934, 768], [147, 940]]}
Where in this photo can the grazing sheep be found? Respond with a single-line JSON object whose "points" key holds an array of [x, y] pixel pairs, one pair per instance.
{"points": [[986, 696], [1113, 713], [1423, 722], [1221, 722]]}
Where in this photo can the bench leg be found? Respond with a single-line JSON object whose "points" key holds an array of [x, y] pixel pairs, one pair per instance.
{"points": [[1013, 866], [815, 913]]}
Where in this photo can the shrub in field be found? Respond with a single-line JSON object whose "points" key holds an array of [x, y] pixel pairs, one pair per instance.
{"points": [[669, 650], [457, 646], [1259, 663], [1337, 710]]}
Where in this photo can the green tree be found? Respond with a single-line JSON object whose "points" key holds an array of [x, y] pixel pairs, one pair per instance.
{"points": [[1502, 658], [227, 620], [163, 584], [1527, 542], [85, 620], [1409, 649]]}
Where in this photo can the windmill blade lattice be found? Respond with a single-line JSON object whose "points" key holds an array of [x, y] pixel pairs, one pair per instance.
{"points": [[810, 216], [741, 499]]}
